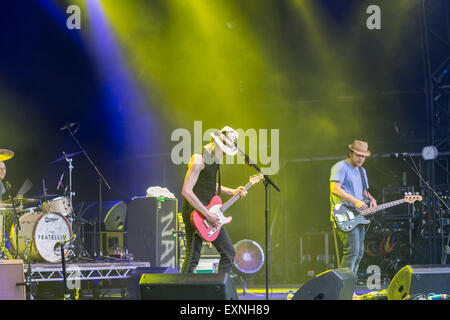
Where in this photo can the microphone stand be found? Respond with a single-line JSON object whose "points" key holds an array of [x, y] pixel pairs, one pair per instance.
{"points": [[267, 182], [61, 244], [101, 180]]}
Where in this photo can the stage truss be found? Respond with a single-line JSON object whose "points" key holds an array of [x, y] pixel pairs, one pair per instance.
{"points": [[83, 271]]}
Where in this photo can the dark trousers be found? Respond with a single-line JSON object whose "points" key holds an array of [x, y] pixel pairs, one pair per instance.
{"points": [[193, 244]]}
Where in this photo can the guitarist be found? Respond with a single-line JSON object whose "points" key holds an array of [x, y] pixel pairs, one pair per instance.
{"points": [[199, 187], [349, 185]]}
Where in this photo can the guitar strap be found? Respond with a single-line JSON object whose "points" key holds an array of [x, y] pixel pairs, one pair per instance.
{"points": [[219, 191], [361, 173]]}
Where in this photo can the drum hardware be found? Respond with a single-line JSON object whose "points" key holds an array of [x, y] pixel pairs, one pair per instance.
{"points": [[28, 282], [45, 196], [101, 181], [71, 193], [78, 228], [4, 252], [15, 217], [68, 158]]}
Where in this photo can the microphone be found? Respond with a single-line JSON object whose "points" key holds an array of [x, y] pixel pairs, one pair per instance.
{"points": [[68, 125], [60, 181], [399, 154]]}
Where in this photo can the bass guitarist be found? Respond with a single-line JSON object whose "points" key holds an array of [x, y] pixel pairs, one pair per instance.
{"points": [[349, 185], [199, 187]]}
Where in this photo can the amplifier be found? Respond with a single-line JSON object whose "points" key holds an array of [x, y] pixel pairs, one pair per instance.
{"points": [[151, 223], [12, 282]]}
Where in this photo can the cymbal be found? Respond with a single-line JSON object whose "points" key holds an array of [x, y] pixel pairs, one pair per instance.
{"points": [[6, 154], [66, 156], [21, 201], [46, 196]]}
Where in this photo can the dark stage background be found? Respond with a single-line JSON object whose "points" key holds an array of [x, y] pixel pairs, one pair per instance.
{"points": [[320, 77]]}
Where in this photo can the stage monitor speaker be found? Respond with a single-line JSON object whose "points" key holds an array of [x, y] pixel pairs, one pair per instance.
{"points": [[151, 223], [12, 282], [187, 286], [113, 214], [135, 277], [419, 279], [335, 284]]}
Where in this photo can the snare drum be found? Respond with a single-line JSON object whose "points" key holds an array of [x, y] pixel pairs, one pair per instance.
{"points": [[58, 205], [45, 230]]}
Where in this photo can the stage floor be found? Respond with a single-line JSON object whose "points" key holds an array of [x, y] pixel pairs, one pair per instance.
{"points": [[110, 281]]}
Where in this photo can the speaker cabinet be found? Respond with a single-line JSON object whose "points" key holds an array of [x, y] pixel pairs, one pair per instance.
{"points": [[12, 282], [192, 286], [419, 279], [335, 284], [112, 240], [135, 277], [151, 223]]}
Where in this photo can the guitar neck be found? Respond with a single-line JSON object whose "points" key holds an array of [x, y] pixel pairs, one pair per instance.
{"points": [[383, 206], [233, 199]]}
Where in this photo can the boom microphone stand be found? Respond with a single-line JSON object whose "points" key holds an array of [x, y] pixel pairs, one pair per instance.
{"points": [[101, 180], [267, 183]]}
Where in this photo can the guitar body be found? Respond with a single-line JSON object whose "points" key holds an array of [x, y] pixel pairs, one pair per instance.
{"points": [[204, 229], [347, 218]]}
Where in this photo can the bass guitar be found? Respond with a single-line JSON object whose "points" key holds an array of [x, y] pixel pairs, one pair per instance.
{"points": [[347, 218], [205, 230]]}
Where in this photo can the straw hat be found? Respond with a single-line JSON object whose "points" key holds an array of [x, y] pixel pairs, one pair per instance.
{"points": [[360, 147]]}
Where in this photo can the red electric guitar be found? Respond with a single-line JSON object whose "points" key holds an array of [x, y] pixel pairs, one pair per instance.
{"points": [[205, 230]]}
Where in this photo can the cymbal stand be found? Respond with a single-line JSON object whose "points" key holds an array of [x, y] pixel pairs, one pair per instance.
{"points": [[16, 218], [4, 252], [44, 188], [28, 280], [71, 193], [78, 228]]}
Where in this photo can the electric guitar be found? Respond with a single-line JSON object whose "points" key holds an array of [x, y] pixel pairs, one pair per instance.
{"points": [[205, 230], [347, 218]]}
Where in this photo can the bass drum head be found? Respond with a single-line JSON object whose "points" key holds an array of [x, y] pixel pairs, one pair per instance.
{"points": [[45, 230], [49, 230]]}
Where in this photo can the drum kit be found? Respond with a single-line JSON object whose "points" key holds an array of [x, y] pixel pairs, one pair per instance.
{"points": [[39, 225]]}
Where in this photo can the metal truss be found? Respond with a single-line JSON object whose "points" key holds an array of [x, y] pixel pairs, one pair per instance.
{"points": [[83, 271], [436, 52]]}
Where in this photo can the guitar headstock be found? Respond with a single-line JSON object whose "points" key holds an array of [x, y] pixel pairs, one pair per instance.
{"points": [[411, 198], [256, 178]]}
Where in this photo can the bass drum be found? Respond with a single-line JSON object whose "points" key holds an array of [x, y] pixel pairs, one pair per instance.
{"points": [[45, 230]]}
